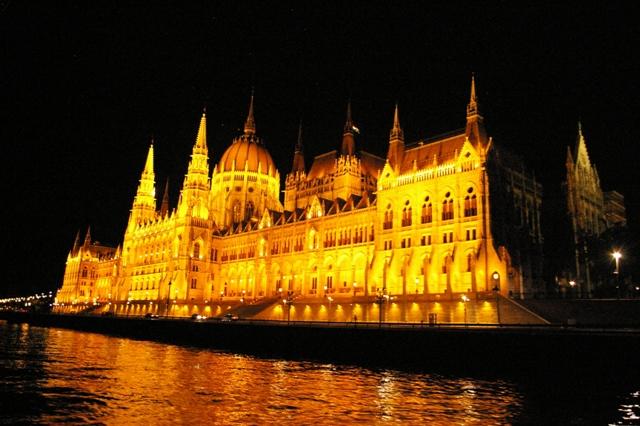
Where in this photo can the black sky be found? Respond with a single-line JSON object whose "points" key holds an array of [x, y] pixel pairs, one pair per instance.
{"points": [[84, 85]]}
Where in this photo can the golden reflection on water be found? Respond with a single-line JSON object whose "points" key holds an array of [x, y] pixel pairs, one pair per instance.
{"points": [[89, 378]]}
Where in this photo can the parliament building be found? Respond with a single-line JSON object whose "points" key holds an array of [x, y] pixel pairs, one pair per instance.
{"points": [[435, 219]]}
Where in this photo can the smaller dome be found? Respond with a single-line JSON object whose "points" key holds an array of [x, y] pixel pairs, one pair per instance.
{"points": [[249, 150]]}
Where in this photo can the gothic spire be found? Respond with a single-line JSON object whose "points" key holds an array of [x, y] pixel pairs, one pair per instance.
{"points": [[298, 155], [201, 139], [76, 242], [87, 237], [396, 142], [475, 130], [472, 107], [144, 203], [164, 207], [348, 140], [250, 124], [396, 130]]}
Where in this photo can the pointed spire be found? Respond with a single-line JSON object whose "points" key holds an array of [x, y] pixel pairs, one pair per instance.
{"points": [[298, 155], [250, 124], [348, 141], [395, 154], [76, 242], [475, 130], [472, 107], [396, 130], [201, 139], [87, 238], [148, 165], [299, 143], [164, 207]]}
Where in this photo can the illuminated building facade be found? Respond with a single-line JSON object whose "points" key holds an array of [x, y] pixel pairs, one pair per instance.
{"points": [[590, 210], [434, 219]]}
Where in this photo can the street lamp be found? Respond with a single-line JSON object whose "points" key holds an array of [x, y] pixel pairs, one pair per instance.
{"points": [[617, 255], [496, 289], [465, 299]]}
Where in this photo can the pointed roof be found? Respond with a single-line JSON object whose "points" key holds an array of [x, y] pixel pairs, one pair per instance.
{"points": [[76, 242], [250, 124]]}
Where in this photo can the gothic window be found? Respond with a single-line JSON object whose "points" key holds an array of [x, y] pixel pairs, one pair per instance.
{"points": [[85, 271], [249, 210], [469, 262], [444, 265], [388, 218], [447, 207], [236, 212], [196, 250], [427, 211], [406, 214], [194, 283], [470, 203]]}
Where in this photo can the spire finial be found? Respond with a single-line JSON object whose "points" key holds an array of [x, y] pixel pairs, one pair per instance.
{"points": [[250, 124], [164, 208], [148, 165]]}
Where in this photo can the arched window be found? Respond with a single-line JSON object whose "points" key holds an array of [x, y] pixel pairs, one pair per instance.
{"points": [[196, 250], [388, 218], [406, 214], [236, 212], [85, 271], [248, 212], [447, 207], [470, 203], [427, 211]]}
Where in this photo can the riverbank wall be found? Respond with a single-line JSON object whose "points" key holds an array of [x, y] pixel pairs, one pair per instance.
{"points": [[491, 350]]}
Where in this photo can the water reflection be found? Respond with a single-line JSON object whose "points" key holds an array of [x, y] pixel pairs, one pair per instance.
{"points": [[76, 377], [61, 376]]}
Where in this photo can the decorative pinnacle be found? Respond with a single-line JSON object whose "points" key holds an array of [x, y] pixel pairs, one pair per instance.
{"points": [[250, 124]]}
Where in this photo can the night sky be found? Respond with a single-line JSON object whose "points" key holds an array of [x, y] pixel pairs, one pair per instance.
{"points": [[85, 85]]}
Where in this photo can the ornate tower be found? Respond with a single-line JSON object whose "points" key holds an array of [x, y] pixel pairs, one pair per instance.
{"points": [[296, 177], [195, 189], [144, 203]]}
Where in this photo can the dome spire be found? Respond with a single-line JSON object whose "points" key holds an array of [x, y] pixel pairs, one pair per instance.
{"points": [[250, 124]]}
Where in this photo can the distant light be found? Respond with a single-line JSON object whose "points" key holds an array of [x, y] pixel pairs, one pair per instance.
{"points": [[616, 255]]}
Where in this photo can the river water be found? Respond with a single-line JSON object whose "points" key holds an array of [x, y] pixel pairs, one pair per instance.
{"points": [[52, 376]]}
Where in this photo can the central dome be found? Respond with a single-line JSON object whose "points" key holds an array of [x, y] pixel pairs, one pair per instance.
{"points": [[247, 151]]}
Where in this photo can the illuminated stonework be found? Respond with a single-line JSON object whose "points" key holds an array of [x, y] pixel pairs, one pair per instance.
{"points": [[433, 219]]}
